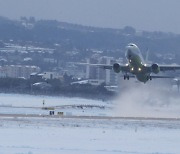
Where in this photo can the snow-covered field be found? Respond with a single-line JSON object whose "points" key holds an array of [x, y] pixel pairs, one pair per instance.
{"points": [[29, 104], [47, 135], [55, 136]]}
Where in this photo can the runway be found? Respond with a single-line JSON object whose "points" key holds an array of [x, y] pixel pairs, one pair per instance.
{"points": [[86, 117], [78, 107]]}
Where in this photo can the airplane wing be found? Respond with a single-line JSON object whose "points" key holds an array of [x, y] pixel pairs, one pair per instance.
{"points": [[169, 67], [103, 66], [159, 76], [163, 68], [124, 68]]}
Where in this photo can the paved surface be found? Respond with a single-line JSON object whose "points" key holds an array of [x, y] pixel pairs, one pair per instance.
{"points": [[84, 117]]}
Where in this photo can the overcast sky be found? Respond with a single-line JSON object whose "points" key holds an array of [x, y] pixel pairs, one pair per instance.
{"points": [[151, 15]]}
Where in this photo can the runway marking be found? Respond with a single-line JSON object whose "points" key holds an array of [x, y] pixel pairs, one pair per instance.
{"points": [[85, 117]]}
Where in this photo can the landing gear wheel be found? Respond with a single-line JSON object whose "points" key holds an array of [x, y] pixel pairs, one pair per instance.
{"points": [[126, 77], [149, 77]]}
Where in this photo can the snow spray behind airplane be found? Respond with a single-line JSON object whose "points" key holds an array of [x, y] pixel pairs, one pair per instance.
{"points": [[154, 99]]}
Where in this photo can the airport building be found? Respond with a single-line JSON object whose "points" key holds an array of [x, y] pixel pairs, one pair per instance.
{"points": [[17, 71], [51, 75], [108, 76]]}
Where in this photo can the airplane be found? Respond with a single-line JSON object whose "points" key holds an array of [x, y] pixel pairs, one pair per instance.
{"points": [[136, 66]]}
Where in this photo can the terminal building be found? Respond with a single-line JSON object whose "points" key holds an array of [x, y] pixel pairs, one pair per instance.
{"points": [[108, 76], [17, 71]]}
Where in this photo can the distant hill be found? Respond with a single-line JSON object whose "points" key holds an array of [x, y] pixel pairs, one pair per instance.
{"points": [[49, 32]]}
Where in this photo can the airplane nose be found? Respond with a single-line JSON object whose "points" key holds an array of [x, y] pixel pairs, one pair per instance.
{"points": [[129, 53]]}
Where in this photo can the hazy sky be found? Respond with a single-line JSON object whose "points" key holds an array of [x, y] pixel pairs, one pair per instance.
{"points": [[163, 15]]}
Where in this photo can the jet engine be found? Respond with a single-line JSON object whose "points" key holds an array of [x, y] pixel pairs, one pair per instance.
{"points": [[155, 68], [116, 67]]}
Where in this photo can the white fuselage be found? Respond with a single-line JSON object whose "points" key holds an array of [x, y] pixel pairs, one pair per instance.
{"points": [[136, 62]]}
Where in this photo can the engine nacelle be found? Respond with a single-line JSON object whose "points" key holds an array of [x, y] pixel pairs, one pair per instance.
{"points": [[155, 68], [116, 67]]}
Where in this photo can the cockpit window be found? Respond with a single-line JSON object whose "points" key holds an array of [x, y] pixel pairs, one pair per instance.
{"points": [[132, 45]]}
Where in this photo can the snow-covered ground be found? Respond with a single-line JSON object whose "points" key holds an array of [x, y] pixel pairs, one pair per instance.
{"points": [[74, 136], [37, 101], [48, 135], [29, 104]]}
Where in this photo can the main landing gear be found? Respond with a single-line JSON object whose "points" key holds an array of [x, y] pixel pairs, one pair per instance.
{"points": [[126, 77], [149, 77]]}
